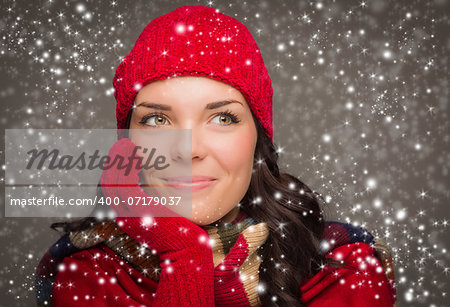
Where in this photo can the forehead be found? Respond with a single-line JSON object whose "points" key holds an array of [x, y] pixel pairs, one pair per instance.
{"points": [[187, 87]]}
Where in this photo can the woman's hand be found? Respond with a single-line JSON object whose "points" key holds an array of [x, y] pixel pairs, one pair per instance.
{"points": [[183, 247], [120, 183]]}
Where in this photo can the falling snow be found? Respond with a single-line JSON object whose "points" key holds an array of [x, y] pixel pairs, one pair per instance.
{"points": [[360, 112]]}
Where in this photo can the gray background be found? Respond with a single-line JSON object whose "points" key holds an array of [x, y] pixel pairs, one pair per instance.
{"points": [[360, 112]]}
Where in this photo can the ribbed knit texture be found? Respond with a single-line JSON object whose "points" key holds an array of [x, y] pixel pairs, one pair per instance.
{"points": [[196, 40], [234, 258], [235, 254], [183, 256]]}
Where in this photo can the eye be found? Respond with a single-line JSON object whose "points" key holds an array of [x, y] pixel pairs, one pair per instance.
{"points": [[153, 120], [226, 118]]}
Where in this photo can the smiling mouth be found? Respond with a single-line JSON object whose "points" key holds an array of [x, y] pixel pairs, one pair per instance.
{"points": [[189, 185]]}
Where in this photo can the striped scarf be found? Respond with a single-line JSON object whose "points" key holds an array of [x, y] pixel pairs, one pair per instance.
{"points": [[234, 245]]}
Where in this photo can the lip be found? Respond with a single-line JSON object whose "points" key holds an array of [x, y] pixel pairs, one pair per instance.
{"points": [[189, 183]]}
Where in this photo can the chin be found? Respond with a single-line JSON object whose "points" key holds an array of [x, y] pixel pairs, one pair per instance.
{"points": [[202, 220]]}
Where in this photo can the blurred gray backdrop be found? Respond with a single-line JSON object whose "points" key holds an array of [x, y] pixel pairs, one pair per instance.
{"points": [[360, 112]]}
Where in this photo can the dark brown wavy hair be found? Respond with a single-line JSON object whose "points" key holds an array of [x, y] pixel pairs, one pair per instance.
{"points": [[294, 215]]}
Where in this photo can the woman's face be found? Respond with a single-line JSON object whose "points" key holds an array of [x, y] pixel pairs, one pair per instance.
{"points": [[223, 137]]}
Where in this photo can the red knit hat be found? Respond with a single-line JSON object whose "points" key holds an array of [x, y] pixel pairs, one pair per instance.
{"points": [[196, 40]]}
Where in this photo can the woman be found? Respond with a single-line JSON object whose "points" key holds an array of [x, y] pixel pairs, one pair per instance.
{"points": [[256, 236]]}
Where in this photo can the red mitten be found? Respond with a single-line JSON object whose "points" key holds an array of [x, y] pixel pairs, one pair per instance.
{"points": [[119, 183], [187, 268]]}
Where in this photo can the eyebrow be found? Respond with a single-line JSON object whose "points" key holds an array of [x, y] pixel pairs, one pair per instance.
{"points": [[209, 106]]}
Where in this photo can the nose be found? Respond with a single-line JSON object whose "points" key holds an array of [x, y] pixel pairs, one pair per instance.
{"points": [[189, 145]]}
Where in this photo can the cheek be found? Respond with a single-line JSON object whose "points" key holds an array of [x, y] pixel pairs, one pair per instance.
{"points": [[235, 153]]}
